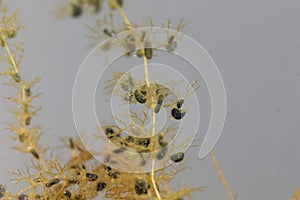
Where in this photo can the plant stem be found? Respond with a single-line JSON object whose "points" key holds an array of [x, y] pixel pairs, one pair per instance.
{"points": [[122, 14], [222, 178], [129, 26], [153, 129], [297, 194], [16, 68], [22, 86], [12, 60], [24, 190], [146, 72]]}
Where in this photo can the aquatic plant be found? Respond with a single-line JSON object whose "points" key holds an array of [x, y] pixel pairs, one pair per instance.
{"points": [[82, 176]]}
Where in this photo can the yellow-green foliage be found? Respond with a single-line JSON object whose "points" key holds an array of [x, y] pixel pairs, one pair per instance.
{"points": [[82, 177]]}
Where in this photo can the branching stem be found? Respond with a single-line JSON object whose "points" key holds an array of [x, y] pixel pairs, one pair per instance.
{"points": [[221, 175], [129, 26]]}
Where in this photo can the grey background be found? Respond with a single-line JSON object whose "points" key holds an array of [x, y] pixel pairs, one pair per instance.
{"points": [[256, 47]]}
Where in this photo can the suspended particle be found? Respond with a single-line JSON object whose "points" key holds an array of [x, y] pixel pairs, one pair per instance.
{"points": [[178, 113], [100, 186], [91, 177], [67, 194], [52, 182], [162, 153], [35, 154], [2, 190], [23, 197], [141, 187], [16, 77], [180, 103], [178, 157]]}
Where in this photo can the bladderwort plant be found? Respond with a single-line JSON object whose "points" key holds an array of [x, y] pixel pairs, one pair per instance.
{"points": [[82, 177]]}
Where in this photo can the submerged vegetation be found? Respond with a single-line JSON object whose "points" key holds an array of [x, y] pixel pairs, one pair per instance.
{"points": [[82, 177]]}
